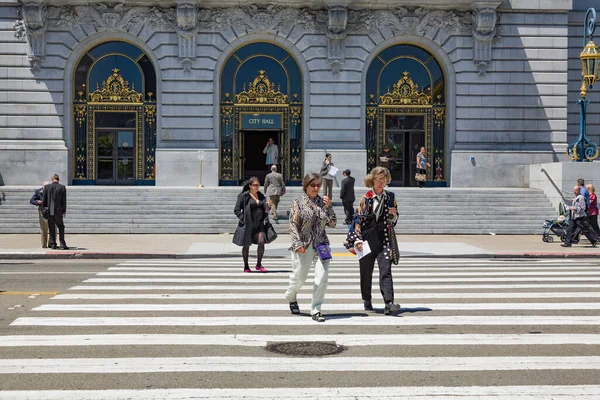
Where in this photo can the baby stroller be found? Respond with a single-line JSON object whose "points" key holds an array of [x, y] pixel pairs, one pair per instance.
{"points": [[557, 226]]}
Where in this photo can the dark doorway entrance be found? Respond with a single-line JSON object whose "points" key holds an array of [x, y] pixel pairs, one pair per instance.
{"points": [[253, 159], [405, 135], [115, 155]]}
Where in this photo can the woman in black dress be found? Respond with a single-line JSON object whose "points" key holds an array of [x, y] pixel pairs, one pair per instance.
{"points": [[251, 209]]}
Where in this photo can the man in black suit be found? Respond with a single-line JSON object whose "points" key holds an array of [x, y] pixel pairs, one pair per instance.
{"points": [[55, 198], [347, 196]]}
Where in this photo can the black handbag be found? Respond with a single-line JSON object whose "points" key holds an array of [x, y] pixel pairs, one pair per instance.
{"points": [[270, 234]]}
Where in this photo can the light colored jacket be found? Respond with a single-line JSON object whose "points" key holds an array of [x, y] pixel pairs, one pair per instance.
{"points": [[274, 184], [272, 151], [308, 220], [580, 206]]}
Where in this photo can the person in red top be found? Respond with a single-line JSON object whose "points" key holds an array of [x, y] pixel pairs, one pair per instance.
{"points": [[593, 208]]}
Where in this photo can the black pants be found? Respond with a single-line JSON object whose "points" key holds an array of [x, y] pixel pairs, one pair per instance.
{"points": [[53, 222], [421, 171], [348, 210], [583, 224], [594, 224], [386, 284]]}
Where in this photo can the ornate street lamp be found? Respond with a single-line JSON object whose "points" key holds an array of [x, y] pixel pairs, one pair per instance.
{"points": [[584, 149]]}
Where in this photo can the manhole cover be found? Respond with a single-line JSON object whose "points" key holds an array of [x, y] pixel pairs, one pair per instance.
{"points": [[306, 349]]}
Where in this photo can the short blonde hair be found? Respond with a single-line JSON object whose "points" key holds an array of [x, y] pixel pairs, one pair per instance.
{"points": [[590, 188], [378, 173]]}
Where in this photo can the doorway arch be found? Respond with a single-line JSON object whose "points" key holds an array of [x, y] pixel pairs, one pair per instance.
{"points": [[405, 109], [114, 116], [261, 97]]}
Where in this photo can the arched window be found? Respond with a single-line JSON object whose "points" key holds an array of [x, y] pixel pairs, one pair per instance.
{"points": [[405, 111], [115, 116], [261, 99]]}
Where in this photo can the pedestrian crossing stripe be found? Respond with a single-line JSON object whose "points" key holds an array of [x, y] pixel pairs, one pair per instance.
{"points": [[397, 287], [338, 280], [403, 269], [399, 274], [327, 307], [263, 340], [329, 296], [331, 320], [579, 392], [295, 364]]}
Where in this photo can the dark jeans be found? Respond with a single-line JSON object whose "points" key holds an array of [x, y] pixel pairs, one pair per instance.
{"points": [[421, 171], [386, 284], [594, 224], [348, 210], [53, 222], [583, 224]]}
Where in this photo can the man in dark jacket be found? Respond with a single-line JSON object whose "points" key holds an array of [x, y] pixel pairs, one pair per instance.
{"points": [[36, 200], [347, 196], [55, 198]]}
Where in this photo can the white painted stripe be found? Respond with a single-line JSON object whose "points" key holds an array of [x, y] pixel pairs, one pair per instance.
{"points": [[331, 320], [397, 287], [222, 270], [50, 273], [330, 296], [263, 340], [356, 273], [268, 279], [237, 259], [327, 307], [296, 364], [570, 392]]}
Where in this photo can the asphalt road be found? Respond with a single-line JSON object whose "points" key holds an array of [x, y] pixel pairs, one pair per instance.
{"points": [[182, 329]]}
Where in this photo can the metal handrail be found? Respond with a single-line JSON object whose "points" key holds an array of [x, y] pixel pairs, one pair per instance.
{"points": [[553, 182]]}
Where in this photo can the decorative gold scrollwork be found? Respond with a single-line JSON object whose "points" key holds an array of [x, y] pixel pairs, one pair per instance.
{"points": [[296, 110], [405, 92], [80, 113], [261, 91], [150, 113], [115, 90]]}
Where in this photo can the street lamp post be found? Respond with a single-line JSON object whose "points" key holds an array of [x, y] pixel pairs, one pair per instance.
{"points": [[584, 149]]}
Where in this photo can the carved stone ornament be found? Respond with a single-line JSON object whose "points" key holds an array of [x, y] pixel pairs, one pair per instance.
{"points": [[111, 17], [484, 33], [336, 33], [33, 28], [187, 31], [404, 21], [263, 19]]}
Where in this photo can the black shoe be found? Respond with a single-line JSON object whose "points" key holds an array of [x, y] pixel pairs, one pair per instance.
{"points": [[53, 246], [294, 308], [595, 244], [44, 247], [318, 317], [391, 307], [566, 244], [368, 305], [64, 247]]}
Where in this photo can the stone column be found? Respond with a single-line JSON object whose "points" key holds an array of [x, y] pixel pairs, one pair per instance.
{"points": [[337, 12], [187, 31]]}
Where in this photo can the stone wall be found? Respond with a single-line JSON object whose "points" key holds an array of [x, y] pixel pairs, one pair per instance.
{"points": [[507, 111]]}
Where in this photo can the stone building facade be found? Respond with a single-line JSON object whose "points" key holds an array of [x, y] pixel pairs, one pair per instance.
{"points": [[136, 92]]}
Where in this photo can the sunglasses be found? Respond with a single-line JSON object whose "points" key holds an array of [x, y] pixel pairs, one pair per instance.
{"points": [[315, 185], [255, 184]]}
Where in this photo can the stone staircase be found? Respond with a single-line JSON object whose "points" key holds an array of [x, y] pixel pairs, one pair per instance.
{"points": [[160, 210]]}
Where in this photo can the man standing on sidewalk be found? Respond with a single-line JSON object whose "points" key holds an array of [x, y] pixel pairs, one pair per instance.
{"points": [[36, 200], [55, 198], [274, 189], [579, 215]]}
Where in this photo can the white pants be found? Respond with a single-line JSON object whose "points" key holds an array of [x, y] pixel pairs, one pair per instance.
{"points": [[301, 264]]}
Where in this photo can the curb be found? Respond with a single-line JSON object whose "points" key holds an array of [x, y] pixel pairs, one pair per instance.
{"points": [[74, 255]]}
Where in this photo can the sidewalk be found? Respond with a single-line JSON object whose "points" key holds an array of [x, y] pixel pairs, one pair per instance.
{"points": [[16, 246]]}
